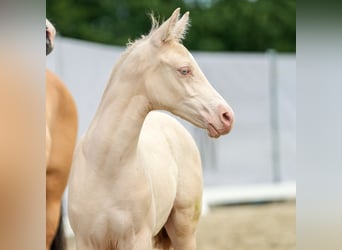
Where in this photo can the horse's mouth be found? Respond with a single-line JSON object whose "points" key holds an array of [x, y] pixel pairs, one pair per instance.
{"points": [[212, 131]]}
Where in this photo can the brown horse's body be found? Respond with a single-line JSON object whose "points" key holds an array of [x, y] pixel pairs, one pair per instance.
{"points": [[61, 133]]}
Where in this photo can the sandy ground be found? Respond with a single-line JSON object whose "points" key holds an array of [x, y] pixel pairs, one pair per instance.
{"points": [[247, 227], [258, 227]]}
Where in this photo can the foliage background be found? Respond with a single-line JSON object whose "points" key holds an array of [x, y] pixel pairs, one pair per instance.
{"points": [[217, 25]]}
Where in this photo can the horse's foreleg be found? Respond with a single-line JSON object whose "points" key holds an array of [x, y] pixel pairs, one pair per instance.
{"points": [[181, 227], [54, 192], [143, 241], [139, 241], [53, 210], [59, 242], [80, 244]]}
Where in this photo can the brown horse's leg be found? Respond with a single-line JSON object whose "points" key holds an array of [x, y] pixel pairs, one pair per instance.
{"points": [[53, 210], [59, 241], [56, 178]]}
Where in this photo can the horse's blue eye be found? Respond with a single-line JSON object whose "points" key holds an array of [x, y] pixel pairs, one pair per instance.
{"points": [[184, 71]]}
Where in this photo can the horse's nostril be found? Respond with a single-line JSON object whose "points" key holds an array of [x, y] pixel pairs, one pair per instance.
{"points": [[226, 117]]}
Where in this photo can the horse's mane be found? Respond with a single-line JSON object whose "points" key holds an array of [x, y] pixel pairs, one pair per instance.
{"points": [[131, 45], [155, 25]]}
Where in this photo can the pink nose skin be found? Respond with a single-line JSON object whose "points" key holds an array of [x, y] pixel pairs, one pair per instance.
{"points": [[227, 119]]}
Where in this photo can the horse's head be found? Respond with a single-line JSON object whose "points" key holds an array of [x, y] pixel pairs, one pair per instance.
{"points": [[176, 83], [50, 36]]}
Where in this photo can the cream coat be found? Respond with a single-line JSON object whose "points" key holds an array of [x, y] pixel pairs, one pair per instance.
{"points": [[136, 175]]}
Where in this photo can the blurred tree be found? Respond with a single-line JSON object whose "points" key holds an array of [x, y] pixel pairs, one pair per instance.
{"points": [[217, 25]]}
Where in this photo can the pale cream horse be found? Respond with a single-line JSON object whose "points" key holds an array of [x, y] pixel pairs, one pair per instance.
{"points": [[61, 133], [136, 177]]}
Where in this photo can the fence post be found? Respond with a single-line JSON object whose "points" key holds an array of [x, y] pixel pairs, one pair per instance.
{"points": [[274, 117]]}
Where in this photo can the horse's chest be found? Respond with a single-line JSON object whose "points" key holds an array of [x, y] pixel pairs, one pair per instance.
{"points": [[162, 177], [117, 207]]}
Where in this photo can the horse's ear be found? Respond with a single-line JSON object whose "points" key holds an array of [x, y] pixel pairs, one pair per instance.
{"points": [[165, 32], [182, 27]]}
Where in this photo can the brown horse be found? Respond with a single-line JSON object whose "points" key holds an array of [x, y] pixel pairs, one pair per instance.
{"points": [[61, 133]]}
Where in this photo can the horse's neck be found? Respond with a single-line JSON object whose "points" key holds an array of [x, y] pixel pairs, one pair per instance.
{"points": [[117, 124]]}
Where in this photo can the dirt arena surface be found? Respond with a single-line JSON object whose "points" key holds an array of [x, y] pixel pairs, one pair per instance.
{"points": [[270, 226], [249, 227]]}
